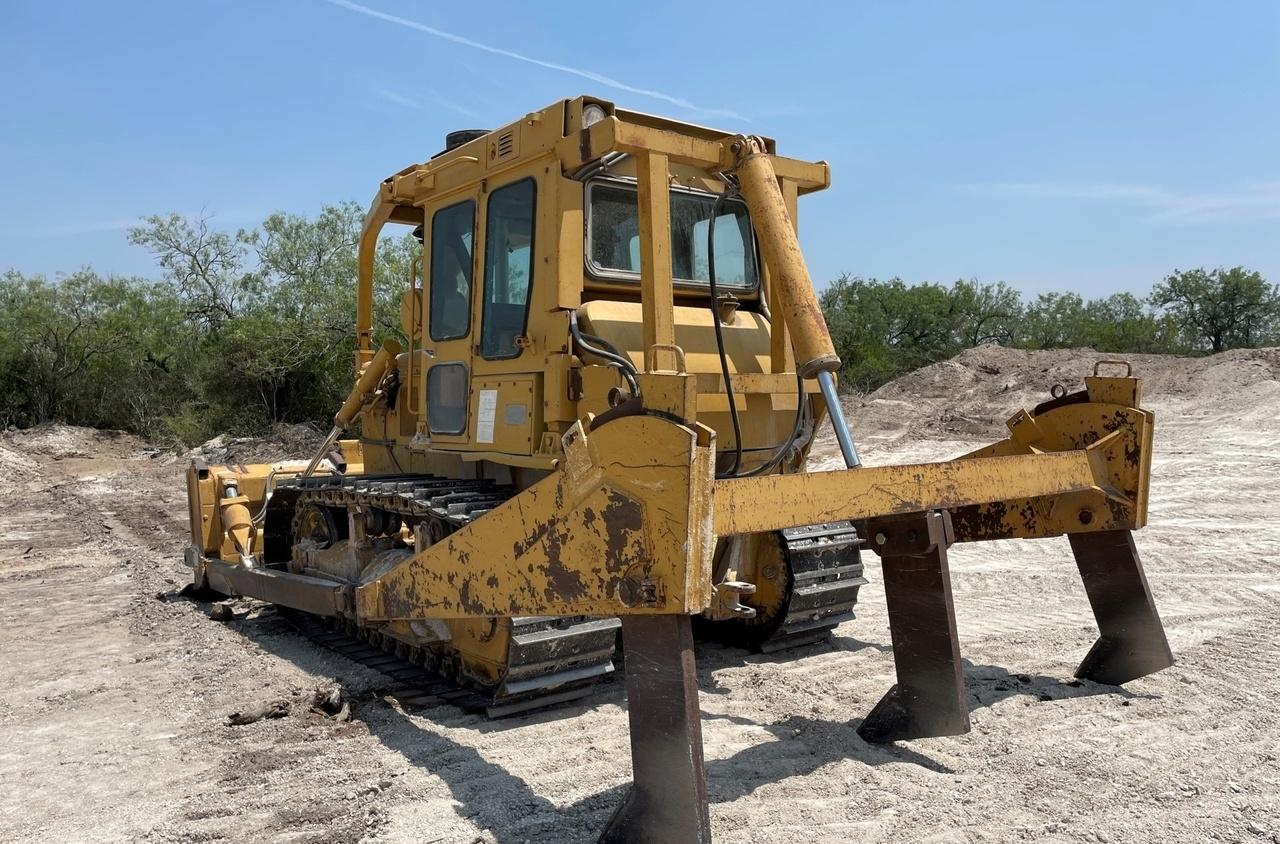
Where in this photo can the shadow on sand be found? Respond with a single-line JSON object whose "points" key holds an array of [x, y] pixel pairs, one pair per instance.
{"points": [[495, 799]]}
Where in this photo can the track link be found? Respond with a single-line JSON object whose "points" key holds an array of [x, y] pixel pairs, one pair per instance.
{"points": [[826, 571], [823, 573], [549, 661], [416, 684]]}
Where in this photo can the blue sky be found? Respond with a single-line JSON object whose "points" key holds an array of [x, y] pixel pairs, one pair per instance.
{"points": [[1084, 146]]}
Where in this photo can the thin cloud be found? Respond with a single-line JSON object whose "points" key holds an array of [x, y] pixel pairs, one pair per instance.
{"points": [[409, 102], [1259, 201], [591, 75], [450, 104], [398, 99], [235, 216]]}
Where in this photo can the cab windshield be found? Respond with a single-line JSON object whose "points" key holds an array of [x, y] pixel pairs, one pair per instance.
{"points": [[613, 237]]}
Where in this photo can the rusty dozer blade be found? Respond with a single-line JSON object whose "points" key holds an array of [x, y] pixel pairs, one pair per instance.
{"points": [[928, 699], [1131, 643], [668, 797]]}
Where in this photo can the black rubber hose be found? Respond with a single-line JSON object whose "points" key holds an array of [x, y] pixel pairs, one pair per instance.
{"points": [[802, 405], [715, 320], [611, 355], [600, 342], [625, 366]]}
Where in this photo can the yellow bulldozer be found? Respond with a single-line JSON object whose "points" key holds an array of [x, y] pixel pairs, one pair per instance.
{"points": [[597, 429]]}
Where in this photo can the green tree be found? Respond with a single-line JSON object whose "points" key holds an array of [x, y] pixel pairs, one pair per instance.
{"points": [[207, 267], [884, 328], [87, 349], [1124, 323], [1221, 309], [1053, 320], [274, 307], [984, 313]]}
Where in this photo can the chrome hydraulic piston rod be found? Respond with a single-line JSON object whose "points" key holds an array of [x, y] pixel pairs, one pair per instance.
{"points": [[850, 451]]}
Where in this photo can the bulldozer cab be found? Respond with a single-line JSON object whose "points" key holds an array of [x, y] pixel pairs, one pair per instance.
{"points": [[525, 230]]}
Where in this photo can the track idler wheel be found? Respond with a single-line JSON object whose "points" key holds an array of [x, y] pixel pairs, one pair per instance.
{"points": [[315, 523]]}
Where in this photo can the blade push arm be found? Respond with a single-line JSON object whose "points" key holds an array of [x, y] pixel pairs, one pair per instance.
{"points": [[1081, 466]]}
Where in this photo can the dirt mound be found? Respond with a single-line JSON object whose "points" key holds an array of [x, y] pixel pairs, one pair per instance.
{"points": [[65, 441], [285, 442], [14, 464], [973, 393]]}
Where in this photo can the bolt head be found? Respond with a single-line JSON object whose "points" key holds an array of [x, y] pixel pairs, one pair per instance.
{"points": [[881, 539]]}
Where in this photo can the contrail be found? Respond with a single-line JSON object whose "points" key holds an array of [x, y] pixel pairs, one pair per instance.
{"points": [[498, 51]]}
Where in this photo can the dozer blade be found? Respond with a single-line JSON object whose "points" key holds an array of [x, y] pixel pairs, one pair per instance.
{"points": [[668, 797], [1132, 643], [928, 699]]}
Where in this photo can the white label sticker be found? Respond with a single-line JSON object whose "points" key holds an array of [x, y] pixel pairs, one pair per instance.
{"points": [[485, 415]]}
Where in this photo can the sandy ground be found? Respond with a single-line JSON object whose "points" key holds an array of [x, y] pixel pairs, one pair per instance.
{"points": [[114, 690]]}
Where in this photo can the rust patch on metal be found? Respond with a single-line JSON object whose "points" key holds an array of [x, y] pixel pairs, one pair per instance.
{"points": [[563, 584], [623, 519], [471, 603], [1120, 515], [1133, 454], [981, 521]]}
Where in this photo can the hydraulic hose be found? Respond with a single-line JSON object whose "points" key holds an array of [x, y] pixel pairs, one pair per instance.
{"points": [[366, 383], [616, 358], [732, 471], [802, 405]]}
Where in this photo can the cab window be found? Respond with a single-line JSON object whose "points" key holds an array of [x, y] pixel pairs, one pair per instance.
{"points": [[452, 233], [447, 398], [508, 269], [613, 237]]}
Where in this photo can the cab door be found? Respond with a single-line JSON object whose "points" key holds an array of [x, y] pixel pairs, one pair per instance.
{"points": [[449, 263]]}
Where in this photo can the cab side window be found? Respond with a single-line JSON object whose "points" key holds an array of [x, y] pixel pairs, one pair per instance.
{"points": [[447, 398], [508, 268], [452, 234]]}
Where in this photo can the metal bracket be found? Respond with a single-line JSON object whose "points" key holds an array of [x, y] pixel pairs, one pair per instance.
{"points": [[726, 600], [651, 358], [1024, 430]]}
